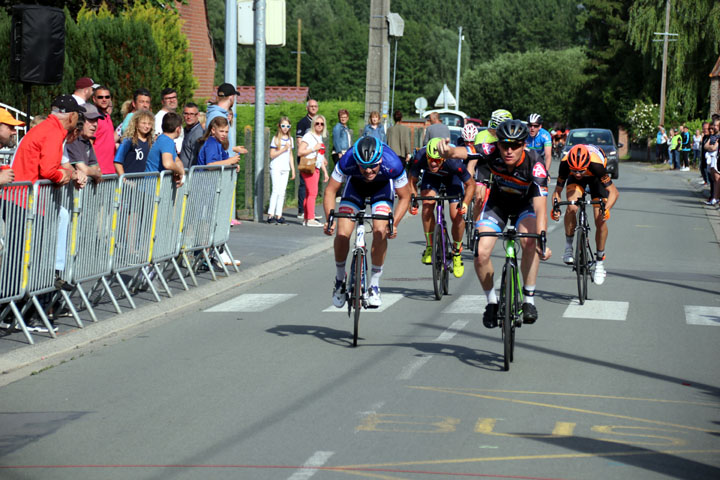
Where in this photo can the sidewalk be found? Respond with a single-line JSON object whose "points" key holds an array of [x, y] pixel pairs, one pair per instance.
{"points": [[263, 249]]}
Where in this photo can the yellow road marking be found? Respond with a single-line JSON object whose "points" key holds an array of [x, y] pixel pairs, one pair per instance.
{"points": [[587, 395], [559, 456], [569, 409]]}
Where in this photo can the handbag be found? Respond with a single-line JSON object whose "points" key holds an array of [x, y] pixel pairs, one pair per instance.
{"points": [[306, 165]]}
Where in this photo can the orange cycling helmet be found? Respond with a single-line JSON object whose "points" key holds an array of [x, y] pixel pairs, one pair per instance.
{"points": [[579, 158]]}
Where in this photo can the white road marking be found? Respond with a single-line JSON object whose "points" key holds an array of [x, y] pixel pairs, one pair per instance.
{"points": [[698, 315], [470, 304], [409, 370], [452, 330], [252, 302], [388, 299], [597, 310], [310, 467]]}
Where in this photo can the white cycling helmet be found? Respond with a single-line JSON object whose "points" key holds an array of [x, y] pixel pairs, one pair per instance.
{"points": [[499, 116], [468, 132], [534, 118]]}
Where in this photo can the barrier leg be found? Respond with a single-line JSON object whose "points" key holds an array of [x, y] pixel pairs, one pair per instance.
{"points": [[209, 264], [232, 259], [220, 261], [40, 311], [180, 276], [150, 283], [21, 322], [106, 286], [85, 300], [125, 290], [73, 311], [162, 279], [189, 268]]}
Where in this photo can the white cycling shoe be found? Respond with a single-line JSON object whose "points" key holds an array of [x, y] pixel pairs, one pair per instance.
{"points": [[374, 300], [568, 257], [600, 273]]}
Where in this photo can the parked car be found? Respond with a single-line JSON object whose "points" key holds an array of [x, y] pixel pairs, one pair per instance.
{"points": [[601, 138]]}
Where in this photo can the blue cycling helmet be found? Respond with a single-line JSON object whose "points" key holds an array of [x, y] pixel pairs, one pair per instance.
{"points": [[368, 152]]}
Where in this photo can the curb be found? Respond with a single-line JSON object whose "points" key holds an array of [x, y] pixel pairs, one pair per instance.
{"points": [[18, 363]]}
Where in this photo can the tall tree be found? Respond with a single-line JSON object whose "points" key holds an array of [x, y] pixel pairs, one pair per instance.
{"points": [[691, 57]]}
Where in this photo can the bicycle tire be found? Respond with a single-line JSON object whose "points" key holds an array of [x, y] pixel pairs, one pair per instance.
{"points": [[446, 265], [469, 227], [508, 313], [438, 262], [581, 265], [357, 293]]}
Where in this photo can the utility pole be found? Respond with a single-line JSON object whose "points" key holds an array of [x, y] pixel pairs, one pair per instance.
{"points": [[457, 79], [259, 18], [665, 40], [299, 52], [231, 44], [377, 80]]}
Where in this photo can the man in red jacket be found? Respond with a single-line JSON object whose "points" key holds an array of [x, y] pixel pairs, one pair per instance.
{"points": [[39, 155]]}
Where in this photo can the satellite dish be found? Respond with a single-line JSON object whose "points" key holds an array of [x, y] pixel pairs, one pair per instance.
{"points": [[421, 104]]}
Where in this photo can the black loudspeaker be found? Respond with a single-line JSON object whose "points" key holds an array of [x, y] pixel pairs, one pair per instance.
{"points": [[37, 44]]}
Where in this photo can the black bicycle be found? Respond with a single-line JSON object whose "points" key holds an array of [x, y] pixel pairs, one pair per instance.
{"points": [[356, 293], [511, 296], [442, 251], [583, 260]]}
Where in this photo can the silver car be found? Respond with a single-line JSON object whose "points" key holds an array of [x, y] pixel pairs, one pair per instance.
{"points": [[601, 138]]}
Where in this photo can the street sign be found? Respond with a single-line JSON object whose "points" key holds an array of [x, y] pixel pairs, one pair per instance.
{"points": [[274, 23]]}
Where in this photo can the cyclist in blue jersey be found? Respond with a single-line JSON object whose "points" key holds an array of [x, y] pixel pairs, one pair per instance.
{"points": [[438, 171], [369, 169], [539, 139]]}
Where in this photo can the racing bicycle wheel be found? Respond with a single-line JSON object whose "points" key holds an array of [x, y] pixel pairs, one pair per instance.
{"points": [[438, 262], [357, 293], [581, 265], [508, 314]]}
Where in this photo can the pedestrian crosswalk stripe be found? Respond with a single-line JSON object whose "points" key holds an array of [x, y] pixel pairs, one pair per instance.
{"points": [[252, 302], [597, 310], [388, 299], [698, 315], [470, 304]]}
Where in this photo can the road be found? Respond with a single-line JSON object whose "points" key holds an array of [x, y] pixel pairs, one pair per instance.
{"points": [[262, 382]]}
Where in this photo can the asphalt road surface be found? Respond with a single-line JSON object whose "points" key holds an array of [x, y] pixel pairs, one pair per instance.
{"points": [[263, 382]]}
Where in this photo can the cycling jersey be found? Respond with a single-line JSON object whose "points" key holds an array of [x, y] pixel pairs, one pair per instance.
{"points": [[539, 142], [512, 191], [380, 189], [484, 136], [596, 177], [452, 173]]}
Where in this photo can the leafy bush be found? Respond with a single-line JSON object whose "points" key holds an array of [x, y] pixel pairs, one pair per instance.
{"points": [[642, 121]]}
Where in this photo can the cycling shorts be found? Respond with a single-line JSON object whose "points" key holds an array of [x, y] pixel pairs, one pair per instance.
{"points": [[497, 210], [593, 185], [453, 184], [381, 194], [482, 173]]}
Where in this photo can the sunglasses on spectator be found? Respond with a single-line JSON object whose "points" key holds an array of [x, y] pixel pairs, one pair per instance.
{"points": [[319, 123], [511, 145], [284, 126], [100, 97]]}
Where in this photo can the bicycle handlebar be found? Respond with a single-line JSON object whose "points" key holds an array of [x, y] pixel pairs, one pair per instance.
{"points": [[361, 216], [414, 198], [511, 234], [557, 205]]}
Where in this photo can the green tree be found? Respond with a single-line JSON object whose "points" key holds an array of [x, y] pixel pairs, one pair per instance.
{"points": [[691, 57], [521, 84]]}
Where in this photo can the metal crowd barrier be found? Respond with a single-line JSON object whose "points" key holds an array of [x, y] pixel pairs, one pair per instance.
{"points": [[16, 202], [55, 239]]}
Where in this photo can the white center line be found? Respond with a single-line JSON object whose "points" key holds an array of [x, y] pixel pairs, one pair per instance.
{"points": [[412, 367], [452, 330], [310, 467]]}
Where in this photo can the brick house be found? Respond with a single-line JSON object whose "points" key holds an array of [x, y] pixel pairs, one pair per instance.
{"points": [[197, 29], [715, 88]]}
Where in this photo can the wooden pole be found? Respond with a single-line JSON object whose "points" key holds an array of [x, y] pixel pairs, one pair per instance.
{"points": [[664, 65]]}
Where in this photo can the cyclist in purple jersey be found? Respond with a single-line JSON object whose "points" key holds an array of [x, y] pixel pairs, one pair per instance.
{"points": [[369, 169], [519, 188], [452, 173], [539, 139]]}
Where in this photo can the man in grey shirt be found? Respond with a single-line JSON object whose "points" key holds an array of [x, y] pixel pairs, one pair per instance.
{"points": [[437, 129], [398, 138]]}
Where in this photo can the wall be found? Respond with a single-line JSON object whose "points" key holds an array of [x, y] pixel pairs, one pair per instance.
{"points": [[196, 28]]}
